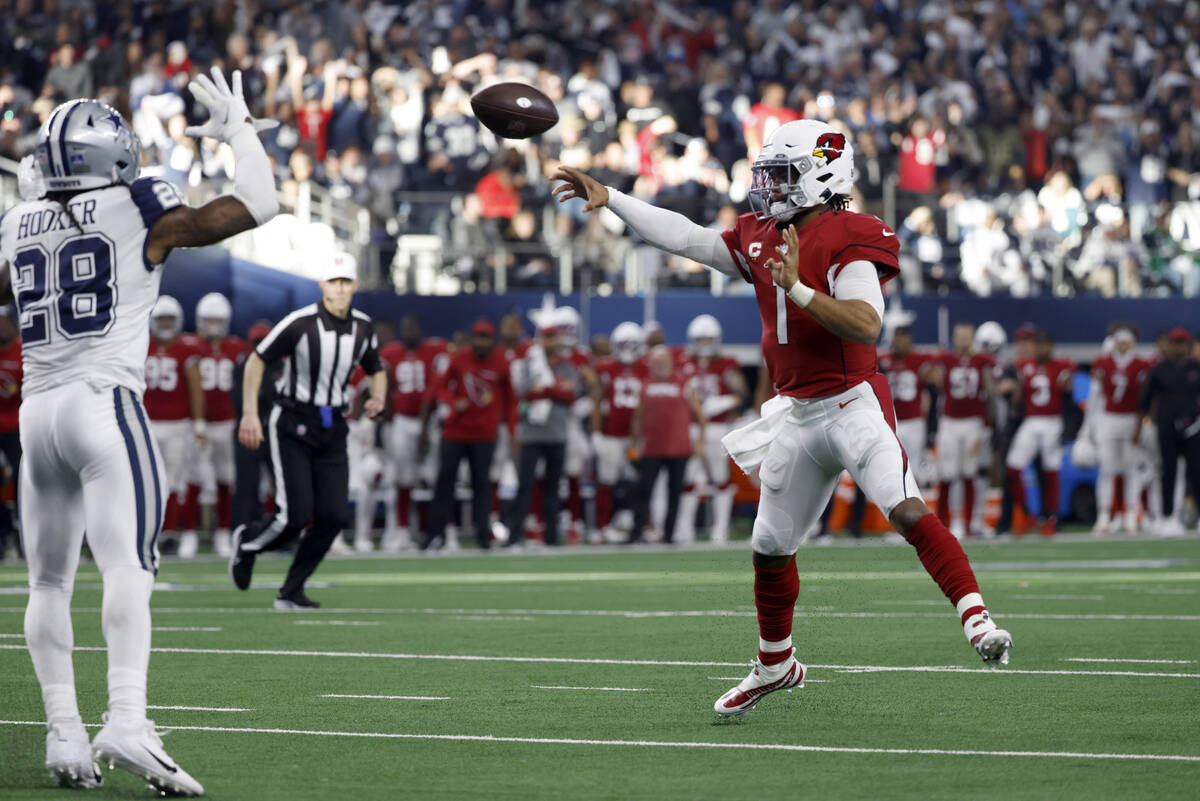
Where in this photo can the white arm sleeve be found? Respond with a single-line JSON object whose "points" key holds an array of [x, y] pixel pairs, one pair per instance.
{"points": [[253, 183], [673, 232], [859, 280]]}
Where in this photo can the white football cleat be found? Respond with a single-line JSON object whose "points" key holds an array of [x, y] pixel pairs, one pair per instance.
{"points": [[69, 758], [189, 545], [994, 646], [763, 679], [138, 749], [221, 542]]}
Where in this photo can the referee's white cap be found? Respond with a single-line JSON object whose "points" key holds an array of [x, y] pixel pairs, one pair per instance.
{"points": [[343, 265]]}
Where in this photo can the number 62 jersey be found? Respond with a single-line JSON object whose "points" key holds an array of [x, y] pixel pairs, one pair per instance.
{"points": [[83, 288], [804, 359]]}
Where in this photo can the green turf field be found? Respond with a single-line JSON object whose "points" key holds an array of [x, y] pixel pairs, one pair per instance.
{"points": [[584, 675]]}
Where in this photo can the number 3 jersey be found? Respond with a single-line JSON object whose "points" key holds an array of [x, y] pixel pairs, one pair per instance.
{"points": [[83, 287], [805, 360]]}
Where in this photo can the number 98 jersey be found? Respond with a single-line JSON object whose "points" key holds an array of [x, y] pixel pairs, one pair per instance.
{"points": [[83, 287]]}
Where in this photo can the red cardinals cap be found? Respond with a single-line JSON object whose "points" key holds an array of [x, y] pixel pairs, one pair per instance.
{"points": [[1025, 332], [258, 331], [483, 328], [1180, 334]]}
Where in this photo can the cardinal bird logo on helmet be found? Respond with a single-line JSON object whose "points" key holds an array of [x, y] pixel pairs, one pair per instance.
{"points": [[829, 146]]}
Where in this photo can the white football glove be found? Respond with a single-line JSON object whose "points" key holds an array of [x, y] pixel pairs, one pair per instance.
{"points": [[29, 179], [227, 111]]}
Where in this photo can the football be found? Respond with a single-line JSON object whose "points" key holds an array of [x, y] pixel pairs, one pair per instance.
{"points": [[514, 110]]}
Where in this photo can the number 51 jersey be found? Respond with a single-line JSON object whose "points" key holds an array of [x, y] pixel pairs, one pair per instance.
{"points": [[84, 288]]}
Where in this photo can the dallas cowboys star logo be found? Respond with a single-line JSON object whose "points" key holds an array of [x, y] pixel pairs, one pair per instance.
{"points": [[115, 119]]}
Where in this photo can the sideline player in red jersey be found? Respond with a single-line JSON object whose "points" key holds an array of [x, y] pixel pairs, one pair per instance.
{"points": [[1117, 379], [174, 402], [411, 366], [718, 382], [817, 271], [965, 378], [620, 390], [1044, 381], [909, 374], [220, 354]]}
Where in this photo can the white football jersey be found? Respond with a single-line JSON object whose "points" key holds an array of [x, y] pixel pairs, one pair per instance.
{"points": [[85, 296]]}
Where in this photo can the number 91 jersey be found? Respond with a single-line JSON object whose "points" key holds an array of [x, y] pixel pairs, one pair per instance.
{"points": [[84, 288]]}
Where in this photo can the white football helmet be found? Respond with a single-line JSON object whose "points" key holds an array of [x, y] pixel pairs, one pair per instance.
{"points": [[801, 164], [990, 337], [568, 323], [628, 342], [213, 313], [704, 336], [166, 318]]}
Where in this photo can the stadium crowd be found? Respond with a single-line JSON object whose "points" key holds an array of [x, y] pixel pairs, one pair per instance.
{"points": [[1018, 148]]}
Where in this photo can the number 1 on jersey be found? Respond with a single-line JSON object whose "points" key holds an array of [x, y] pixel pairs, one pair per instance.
{"points": [[781, 332]]}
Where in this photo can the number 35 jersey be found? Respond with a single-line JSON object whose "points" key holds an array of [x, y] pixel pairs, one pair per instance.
{"points": [[83, 287], [804, 359]]}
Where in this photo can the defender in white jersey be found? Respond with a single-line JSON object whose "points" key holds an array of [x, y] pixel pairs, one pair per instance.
{"points": [[83, 258]]}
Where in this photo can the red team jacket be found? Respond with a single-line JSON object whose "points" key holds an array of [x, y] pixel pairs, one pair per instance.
{"points": [[622, 393], [413, 373], [963, 394], [904, 377], [487, 388], [10, 386], [217, 363], [805, 360], [1121, 382], [1042, 385], [166, 396], [666, 418]]}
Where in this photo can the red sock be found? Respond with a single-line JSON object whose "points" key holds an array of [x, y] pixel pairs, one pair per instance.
{"points": [[1016, 486], [224, 507], [944, 502], [775, 593], [942, 557], [171, 518], [968, 502], [574, 499], [189, 510], [403, 505], [1050, 502], [604, 505]]}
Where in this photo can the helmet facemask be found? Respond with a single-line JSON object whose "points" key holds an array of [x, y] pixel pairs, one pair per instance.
{"points": [[775, 188]]}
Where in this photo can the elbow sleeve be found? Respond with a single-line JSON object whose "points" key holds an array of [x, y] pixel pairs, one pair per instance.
{"points": [[672, 232], [253, 183]]}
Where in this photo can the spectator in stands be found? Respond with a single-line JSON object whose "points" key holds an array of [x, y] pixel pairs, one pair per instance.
{"points": [[68, 77], [765, 116]]}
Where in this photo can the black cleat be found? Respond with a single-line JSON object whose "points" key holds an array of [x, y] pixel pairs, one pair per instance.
{"points": [[241, 562], [296, 601]]}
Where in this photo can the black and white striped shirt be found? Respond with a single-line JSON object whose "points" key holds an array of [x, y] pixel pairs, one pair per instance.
{"points": [[320, 353]]}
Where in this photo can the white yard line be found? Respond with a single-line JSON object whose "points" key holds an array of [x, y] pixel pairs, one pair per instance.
{"points": [[12, 636], [495, 618], [566, 660], [336, 622], [390, 697], [830, 749], [1024, 597], [202, 708], [1135, 661], [597, 689], [186, 628]]}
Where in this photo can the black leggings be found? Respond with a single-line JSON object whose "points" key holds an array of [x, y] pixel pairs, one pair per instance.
{"points": [[1172, 444], [479, 460], [552, 455], [647, 470]]}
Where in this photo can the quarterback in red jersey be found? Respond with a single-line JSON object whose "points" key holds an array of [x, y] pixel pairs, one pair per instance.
{"points": [[1044, 381], [817, 272], [219, 355], [412, 365], [175, 405], [718, 382], [620, 390], [1117, 379]]}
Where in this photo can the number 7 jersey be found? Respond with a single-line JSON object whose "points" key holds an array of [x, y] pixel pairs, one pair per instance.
{"points": [[804, 359], [85, 292]]}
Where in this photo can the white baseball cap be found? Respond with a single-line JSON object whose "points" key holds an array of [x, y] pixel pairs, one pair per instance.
{"points": [[343, 265]]}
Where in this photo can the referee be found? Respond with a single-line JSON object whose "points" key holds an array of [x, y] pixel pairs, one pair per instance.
{"points": [[320, 346]]}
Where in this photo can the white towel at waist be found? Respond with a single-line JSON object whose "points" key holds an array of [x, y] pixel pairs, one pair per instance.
{"points": [[748, 445]]}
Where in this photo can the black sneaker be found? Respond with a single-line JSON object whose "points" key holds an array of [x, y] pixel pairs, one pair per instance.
{"points": [[297, 600], [241, 563]]}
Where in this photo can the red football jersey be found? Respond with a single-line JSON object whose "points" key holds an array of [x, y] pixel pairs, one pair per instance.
{"points": [[666, 418], [166, 395], [963, 390], [217, 362], [10, 386], [1042, 385], [488, 390], [709, 381], [622, 393], [1121, 381], [413, 372], [904, 377], [804, 359]]}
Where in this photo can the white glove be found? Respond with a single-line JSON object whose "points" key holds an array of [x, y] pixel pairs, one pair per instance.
{"points": [[227, 111], [29, 179]]}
